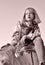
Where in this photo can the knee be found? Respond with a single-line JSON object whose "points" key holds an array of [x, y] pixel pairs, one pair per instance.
{"points": [[39, 40]]}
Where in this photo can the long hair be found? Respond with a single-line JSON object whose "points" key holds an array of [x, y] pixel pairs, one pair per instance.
{"points": [[36, 17]]}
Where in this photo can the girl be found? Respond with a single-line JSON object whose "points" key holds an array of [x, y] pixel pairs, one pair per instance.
{"points": [[29, 29]]}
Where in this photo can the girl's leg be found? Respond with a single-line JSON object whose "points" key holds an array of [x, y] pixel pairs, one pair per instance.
{"points": [[39, 48]]}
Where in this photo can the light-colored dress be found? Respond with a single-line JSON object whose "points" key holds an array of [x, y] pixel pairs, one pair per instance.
{"points": [[34, 32]]}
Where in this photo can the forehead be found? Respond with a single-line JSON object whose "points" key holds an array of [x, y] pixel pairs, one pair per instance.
{"points": [[29, 11]]}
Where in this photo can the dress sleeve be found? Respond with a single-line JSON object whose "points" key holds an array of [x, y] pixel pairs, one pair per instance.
{"points": [[16, 35]]}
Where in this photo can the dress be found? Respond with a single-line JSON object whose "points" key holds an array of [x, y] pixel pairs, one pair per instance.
{"points": [[23, 29]]}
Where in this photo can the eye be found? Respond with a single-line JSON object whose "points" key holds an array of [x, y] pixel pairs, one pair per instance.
{"points": [[2, 61], [6, 63]]}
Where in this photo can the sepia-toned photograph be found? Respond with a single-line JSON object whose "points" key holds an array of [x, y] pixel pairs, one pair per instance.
{"points": [[22, 32]]}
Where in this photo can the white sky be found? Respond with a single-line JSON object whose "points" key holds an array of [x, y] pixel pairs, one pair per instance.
{"points": [[11, 11]]}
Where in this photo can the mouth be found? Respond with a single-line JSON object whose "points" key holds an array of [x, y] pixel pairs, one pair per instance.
{"points": [[29, 17]]}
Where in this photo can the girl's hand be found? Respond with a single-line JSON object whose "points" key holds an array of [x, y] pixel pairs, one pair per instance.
{"points": [[30, 35], [23, 39]]}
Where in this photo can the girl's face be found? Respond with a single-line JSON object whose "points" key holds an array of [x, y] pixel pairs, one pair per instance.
{"points": [[29, 15]]}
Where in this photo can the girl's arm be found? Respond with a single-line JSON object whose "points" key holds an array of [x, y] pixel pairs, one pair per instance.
{"points": [[16, 35]]}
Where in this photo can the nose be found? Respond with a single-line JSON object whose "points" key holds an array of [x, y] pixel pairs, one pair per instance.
{"points": [[29, 15]]}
